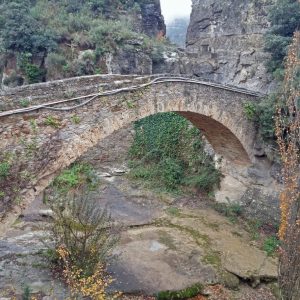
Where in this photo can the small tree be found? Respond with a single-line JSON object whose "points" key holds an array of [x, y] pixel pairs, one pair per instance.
{"points": [[284, 17], [288, 137], [84, 235]]}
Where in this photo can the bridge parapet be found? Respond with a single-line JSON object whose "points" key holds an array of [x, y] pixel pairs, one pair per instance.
{"points": [[66, 88], [79, 88]]}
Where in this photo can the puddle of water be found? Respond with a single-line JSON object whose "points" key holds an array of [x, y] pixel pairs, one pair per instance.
{"points": [[156, 246]]}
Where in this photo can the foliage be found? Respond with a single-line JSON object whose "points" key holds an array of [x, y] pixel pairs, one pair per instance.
{"points": [[20, 31], [250, 110], [93, 286], [108, 35], [265, 112], [75, 119], [4, 169], [271, 245], [73, 177], [24, 102], [83, 229], [33, 73], [187, 293], [55, 63], [51, 121], [287, 128], [285, 19], [26, 293], [56, 33], [169, 152]]}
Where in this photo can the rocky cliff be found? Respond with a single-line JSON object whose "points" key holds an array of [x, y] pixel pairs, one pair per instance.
{"points": [[225, 42], [110, 37], [152, 20]]}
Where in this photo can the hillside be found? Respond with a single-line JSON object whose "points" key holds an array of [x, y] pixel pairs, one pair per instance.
{"points": [[46, 40]]}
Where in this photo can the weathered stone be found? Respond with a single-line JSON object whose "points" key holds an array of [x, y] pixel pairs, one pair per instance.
{"points": [[225, 42], [152, 20], [230, 280]]}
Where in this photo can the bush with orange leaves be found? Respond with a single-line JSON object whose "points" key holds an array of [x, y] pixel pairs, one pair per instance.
{"points": [[83, 235], [287, 128], [93, 286]]}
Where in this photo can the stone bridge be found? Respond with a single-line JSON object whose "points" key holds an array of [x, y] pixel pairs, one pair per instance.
{"points": [[45, 127]]}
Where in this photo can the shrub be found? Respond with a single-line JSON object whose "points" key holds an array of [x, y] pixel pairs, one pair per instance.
{"points": [[34, 73], [284, 17], [4, 169], [250, 110], [51, 121], [207, 179], [24, 102], [265, 118], [83, 229], [271, 244]]}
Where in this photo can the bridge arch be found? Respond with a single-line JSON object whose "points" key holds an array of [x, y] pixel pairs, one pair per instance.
{"points": [[217, 110]]}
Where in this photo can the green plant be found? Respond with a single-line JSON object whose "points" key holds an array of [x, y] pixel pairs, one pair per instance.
{"points": [[250, 110], [33, 125], [26, 293], [51, 121], [34, 73], [169, 153], [271, 245], [284, 17], [75, 119], [24, 102], [130, 104], [189, 292], [4, 169], [76, 175], [83, 228]]}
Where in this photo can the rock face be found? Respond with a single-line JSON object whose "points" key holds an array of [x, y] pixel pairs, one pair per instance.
{"points": [[225, 42], [129, 58], [152, 20]]}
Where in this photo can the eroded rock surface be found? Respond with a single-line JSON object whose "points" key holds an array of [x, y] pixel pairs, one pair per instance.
{"points": [[225, 42]]}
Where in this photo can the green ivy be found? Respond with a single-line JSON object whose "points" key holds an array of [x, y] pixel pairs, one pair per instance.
{"points": [[168, 152]]}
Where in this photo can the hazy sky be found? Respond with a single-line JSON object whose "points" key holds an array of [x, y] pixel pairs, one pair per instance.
{"points": [[175, 8]]}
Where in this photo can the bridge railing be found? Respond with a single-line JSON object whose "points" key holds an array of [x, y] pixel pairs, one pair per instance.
{"points": [[87, 88]]}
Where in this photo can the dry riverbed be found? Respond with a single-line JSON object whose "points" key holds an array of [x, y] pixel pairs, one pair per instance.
{"points": [[168, 243]]}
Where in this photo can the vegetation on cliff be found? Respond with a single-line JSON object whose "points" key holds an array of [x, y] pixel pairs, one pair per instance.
{"points": [[284, 17], [46, 40]]}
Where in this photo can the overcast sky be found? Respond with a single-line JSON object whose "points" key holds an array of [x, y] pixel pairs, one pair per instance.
{"points": [[175, 8]]}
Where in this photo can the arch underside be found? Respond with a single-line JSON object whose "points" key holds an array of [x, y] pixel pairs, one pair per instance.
{"points": [[223, 141]]}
